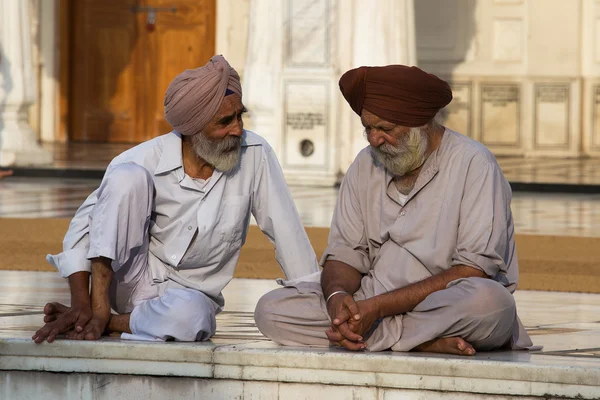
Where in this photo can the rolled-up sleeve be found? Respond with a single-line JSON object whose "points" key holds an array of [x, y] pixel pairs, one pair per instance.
{"points": [[483, 234], [277, 216], [347, 237], [76, 242]]}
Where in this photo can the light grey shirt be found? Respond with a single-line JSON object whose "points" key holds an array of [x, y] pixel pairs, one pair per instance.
{"points": [[197, 231], [457, 214]]}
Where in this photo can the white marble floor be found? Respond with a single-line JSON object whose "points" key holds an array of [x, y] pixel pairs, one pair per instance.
{"points": [[566, 324], [534, 213]]}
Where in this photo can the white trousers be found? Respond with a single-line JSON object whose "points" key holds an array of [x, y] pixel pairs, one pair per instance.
{"points": [[119, 224]]}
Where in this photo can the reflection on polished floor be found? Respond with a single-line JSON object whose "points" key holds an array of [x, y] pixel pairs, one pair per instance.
{"points": [[534, 213]]}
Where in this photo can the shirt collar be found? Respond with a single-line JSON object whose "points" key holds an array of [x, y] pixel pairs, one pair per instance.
{"points": [[171, 157]]}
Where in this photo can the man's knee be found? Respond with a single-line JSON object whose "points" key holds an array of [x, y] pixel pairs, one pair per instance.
{"points": [[486, 297], [193, 314], [492, 310], [127, 178], [265, 313], [182, 314]]}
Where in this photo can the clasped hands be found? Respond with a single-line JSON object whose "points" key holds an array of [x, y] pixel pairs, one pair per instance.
{"points": [[350, 321]]}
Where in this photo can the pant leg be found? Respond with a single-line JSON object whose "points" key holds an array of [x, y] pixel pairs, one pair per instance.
{"points": [[118, 229], [481, 311], [181, 314], [294, 316]]}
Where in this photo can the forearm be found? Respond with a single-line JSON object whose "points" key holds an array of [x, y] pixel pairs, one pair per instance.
{"points": [[337, 276], [405, 299], [79, 283], [102, 276]]}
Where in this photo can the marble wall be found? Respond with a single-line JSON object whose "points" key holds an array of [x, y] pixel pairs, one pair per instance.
{"points": [[517, 74], [525, 73]]}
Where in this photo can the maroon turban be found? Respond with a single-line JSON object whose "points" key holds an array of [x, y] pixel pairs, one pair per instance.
{"points": [[195, 95], [402, 95]]}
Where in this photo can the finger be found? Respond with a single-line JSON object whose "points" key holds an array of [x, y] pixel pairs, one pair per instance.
{"points": [[342, 316], [52, 335], [352, 307], [344, 329], [71, 335], [82, 321], [42, 334], [352, 345], [333, 336], [50, 318]]}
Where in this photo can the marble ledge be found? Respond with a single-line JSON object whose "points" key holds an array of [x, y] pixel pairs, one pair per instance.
{"points": [[508, 373]]}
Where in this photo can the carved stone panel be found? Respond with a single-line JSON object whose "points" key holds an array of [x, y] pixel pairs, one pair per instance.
{"points": [[306, 124], [500, 114], [551, 117], [596, 118]]}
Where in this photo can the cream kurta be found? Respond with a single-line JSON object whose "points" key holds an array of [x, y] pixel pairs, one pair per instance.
{"points": [[457, 214]]}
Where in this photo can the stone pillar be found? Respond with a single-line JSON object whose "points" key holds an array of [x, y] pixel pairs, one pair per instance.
{"points": [[18, 142], [297, 51]]}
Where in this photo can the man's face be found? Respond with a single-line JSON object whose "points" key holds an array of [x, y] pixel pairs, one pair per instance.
{"points": [[399, 148], [219, 144]]}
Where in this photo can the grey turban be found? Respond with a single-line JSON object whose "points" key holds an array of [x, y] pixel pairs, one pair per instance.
{"points": [[195, 95]]}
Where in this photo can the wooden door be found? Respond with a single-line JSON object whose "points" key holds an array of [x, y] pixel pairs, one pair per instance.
{"points": [[121, 68]]}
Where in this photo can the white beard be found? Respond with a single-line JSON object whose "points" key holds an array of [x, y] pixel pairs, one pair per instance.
{"points": [[408, 155], [223, 154]]}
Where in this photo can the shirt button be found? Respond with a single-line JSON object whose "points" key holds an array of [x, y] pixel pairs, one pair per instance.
{"points": [[403, 213], [189, 228]]}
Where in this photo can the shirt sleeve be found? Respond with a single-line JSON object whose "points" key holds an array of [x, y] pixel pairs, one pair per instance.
{"points": [[76, 242], [277, 216], [485, 230], [347, 237]]}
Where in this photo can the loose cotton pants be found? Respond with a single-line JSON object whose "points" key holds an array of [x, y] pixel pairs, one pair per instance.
{"points": [[118, 230], [481, 311]]}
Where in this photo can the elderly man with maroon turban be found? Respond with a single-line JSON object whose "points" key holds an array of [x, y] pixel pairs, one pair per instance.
{"points": [[162, 235], [421, 253]]}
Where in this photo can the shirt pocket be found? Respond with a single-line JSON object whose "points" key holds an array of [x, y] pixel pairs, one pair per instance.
{"points": [[233, 218]]}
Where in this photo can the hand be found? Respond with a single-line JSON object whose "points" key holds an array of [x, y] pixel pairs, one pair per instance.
{"points": [[343, 305], [60, 319], [368, 315]]}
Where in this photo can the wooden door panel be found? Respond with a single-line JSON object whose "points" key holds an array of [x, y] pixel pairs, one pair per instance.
{"points": [[104, 71], [182, 40], [121, 70]]}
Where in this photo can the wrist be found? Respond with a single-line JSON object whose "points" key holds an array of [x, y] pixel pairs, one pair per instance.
{"points": [[79, 284], [374, 305], [335, 293]]}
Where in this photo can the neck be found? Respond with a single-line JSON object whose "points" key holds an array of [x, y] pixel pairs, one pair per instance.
{"points": [[193, 165]]}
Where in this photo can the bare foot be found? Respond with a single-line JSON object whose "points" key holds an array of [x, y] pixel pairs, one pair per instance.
{"points": [[53, 310], [452, 345]]}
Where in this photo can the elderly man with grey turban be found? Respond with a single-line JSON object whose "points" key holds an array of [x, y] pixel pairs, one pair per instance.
{"points": [[162, 234]]}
